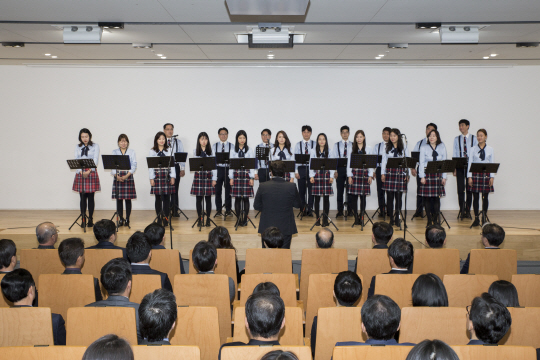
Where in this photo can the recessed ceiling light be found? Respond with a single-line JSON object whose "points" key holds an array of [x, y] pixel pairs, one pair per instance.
{"points": [[381, 55], [47, 54], [486, 57], [378, 57], [163, 57], [54, 57], [493, 55]]}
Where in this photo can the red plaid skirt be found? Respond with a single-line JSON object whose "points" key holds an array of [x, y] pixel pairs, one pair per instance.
{"points": [[162, 184], [359, 186], [433, 186], [202, 184], [322, 186], [480, 184], [91, 183], [287, 177], [241, 185], [394, 181], [126, 189]]}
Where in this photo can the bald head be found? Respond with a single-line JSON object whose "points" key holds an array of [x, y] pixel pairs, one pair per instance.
{"points": [[46, 233], [325, 238]]}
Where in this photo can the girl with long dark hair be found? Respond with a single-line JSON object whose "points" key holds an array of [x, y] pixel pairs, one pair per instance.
{"points": [[162, 180], [242, 180], [322, 181], [204, 182]]}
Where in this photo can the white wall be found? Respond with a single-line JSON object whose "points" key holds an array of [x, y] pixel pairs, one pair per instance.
{"points": [[43, 110]]}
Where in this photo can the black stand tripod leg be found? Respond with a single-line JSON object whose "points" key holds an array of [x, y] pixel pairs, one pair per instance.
{"points": [[329, 220]]}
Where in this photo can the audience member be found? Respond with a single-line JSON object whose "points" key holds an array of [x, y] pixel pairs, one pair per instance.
{"points": [[381, 234], [435, 236], [492, 237], [47, 235], [401, 256], [324, 238], [432, 350], [272, 238], [139, 253], [504, 292], [205, 261], [19, 288], [279, 355], [109, 347], [429, 290], [105, 233], [155, 234], [157, 316], [267, 286], [8, 256], [221, 239], [487, 320]]}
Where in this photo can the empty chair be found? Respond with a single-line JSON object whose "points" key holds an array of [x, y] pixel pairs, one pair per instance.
{"points": [[60, 292], [256, 352], [42, 261], [169, 352], [371, 352], [43, 352], [502, 263], [285, 282], [469, 352], [167, 261], [442, 323], [25, 327], [462, 289], [524, 329], [142, 285], [372, 262], [437, 261], [86, 324], [94, 259], [528, 289], [396, 286], [226, 264], [260, 261]]}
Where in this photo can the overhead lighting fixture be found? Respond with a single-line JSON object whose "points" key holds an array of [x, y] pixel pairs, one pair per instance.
{"points": [[493, 55], [142, 45], [13, 44], [459, 34], [267, 7], [163, 57], [270, 35], [527, 44], [159, 54], [377, 57], [111, 25], [54, 57], [398, 45], [47, 54], [428, 25], [381, 55], [486, 57], [82, 34]]}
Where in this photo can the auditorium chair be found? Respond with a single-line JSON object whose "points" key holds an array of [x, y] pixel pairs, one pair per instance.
{"points": [[274, 261], [462, 289], [43, 352], [372, 262], [226, 264], [41, 261], [25, 327], [95, 259], [169, 352], [502, 262], [61, 292], [528, 289], [167, 261], [524, 329], [486, 352], [257, 352], [371, 352], [142, 285], [436, 261], [285, 282], [3, 301], [396, 286], [442, 323]]}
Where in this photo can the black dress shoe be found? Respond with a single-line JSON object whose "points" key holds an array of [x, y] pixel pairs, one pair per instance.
{"points": [[325, 223], [121, 222], [219, 213], [339, 214], [176, 214], [476, 221], [90, 222], [126, 223], [357, 221], [165, 222], [318, 223], [207, 221], [310, 214], [228, 213]]}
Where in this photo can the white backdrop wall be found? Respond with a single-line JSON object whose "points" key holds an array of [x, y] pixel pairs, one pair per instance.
{"points": [[43, 110]]}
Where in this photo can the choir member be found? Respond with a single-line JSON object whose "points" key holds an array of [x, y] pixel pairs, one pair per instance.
{"points": [[262, 173], [223, 173], [342, 149], [161, 180], [204, 182], [282, 151], [359, 179], [462, 146], [124, 180], [322, 181], [242, 180]]}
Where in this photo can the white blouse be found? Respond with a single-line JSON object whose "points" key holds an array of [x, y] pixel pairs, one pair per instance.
{"points": [[132, 159], [214, 172], [474, 157], [151, 172], [426, 155], [93, 153]]}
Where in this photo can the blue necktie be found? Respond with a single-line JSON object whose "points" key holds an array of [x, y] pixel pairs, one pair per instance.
{"points": [[160, 153], [482, 154], [395, 151], [241, 154], [203, 154], [84, 151], [281, 155], [434, 154]]}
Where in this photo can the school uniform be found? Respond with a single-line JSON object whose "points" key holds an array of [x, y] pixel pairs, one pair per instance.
{"points": [[202, 186], [176, 146], [126, 189], [342, 149], [395, 182], [162, 185], [262, 165], [91, 183], [321, 186], [462, 146], [378, 150], [283, 155], [360, 186], [433, 189], [304, 147], [223, 177], [419, 199], [480, 180], [242, 190]]}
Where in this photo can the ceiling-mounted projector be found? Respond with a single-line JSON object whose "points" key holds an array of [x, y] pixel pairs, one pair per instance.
{"points": [[267, 7], [82, 34], [459, 34], [270, 35]]}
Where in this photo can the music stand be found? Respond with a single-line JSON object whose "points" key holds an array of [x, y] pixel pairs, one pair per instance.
{"points": [[440, 167], [263, 154], [81, 164], [324, 164], [342, 163], [179, 157], [363, 162], [402, 164], [202, 164], [484, 168], [224, 158], [303, 160], [243, 164], [116, 162], [162, 162], [416, 155], [463, 163], [379, 160]]}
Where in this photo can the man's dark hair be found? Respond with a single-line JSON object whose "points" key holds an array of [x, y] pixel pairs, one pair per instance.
{"points": [[387, 128], [504, 292], [279, 355], [109, 347], [402, 252], [138, 247], [272, 237], [432, 350], [267, 130], [381, 317], [157, 314], [324, 238], [223, 128], [429, 290], [115, 276], [267, 286], [70, 250], [491, 319], [344, 127], [167, 124], [44, 233], [435, 236], [383, 232], [464, 121], [277, 168], [348, 288], [154, 233], [7, 251], [264, 313], [306, 127], [104, 229], [432, 125], [15, 284], [204, 256], [494, 234]]}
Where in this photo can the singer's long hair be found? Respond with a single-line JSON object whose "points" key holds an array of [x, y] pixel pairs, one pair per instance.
{"points": [[355, 144], [318, 147], [287, 144], [208, 149], [237, 145], [390, 146]]}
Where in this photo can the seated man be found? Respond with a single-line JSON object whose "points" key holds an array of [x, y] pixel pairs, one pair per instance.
{"points": [[324, 238], [156, 236], [492, 238], [272, 238], [265, 317], [8, 256], [71, 252], [116, 279], [435, 236], [347, 292], [19, 288], [47, 235], [487, 320], [139, 253], [381, 320], [205, 261], [157, 316], [401, 256], [381, 234], [105, 233]]}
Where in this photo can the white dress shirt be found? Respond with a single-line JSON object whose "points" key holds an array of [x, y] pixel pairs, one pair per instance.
{"points": [[167, 153], [132, 159], [93, 153], [214, 172], [426, 155]]}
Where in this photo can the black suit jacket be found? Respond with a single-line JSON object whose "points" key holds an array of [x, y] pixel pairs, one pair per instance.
{"points": [[146, 342], [250, 343], [275, 199], [97, 289], [465, 268], [48, 247], [158, 247], [371, 291], [109, 245], [59, 327], [146, 270]]}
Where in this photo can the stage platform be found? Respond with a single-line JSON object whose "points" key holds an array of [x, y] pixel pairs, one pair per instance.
{"points": [[522, 233]]}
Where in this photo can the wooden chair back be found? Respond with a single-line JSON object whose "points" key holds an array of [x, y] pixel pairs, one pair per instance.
{"points": [[462, 289], [43, 352], [257, 352], [444, 323], [273, 261], [502, 262], [167, 261], [61, 292], [142, 285], [226, 264], [524, 329], [371, 352], [3, 301], [437, 261], [468, 352], [25, 327], [397, 286], [41, 261], [169, 352], [372, 262], [285, 282], [95, 259], [528, 289]]}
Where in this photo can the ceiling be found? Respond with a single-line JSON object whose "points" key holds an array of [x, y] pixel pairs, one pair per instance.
{"points": [[338, 32]]}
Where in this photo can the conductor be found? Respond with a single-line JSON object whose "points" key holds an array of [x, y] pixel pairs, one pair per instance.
{"points": [[275, 199]]}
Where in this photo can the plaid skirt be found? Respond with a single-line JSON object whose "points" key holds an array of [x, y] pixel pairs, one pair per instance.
{"points": [[322, 186], [241, 185], [126, 189], [359, 186], [202, 184], [480, 184], [395, 182], [162, 185], [433, 186], [91, 183]]}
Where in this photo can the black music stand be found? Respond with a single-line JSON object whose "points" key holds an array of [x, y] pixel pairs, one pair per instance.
{"points": [[303, 160], [463, 163], [81, 164], [202, 164], [402, 164], [243, 164], [416, 155], [162, 162], [262, 153], [484, 168], [324, 164], [379, 160], [363, 162], [224, 158], [440, 167], [179, 157], [116, 162], [342, 163]]}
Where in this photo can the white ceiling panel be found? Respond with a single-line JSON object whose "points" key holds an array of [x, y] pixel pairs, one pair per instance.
{"points": [[35, 51], [197, 10], [213, 33], [418, 52], [329, 33], [304, 52]]}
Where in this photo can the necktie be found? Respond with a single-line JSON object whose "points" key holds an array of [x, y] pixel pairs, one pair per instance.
{"points": [[169, 142], [306, 149], [203, 154], [345, 151], [360, 151], [160, 153], [223, 147], [84, 151], [395, 151], [434, 154], [465, 145], [266, 160], [281, 155], [241, 154], [482, 154]]}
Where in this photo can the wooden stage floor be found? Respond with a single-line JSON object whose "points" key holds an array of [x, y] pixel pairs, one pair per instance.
{"points": [[522, 233]]}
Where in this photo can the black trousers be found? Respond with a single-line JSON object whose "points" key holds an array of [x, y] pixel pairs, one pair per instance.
{"points": [[174, 197], [120, 208], [353, 203], [87, 197], [223, 180], [391, 196], [342, 185], [264, 175], [162, 203], [433, 206], [302, 188], [380, 191], [461, 177], [476, 203], [207, 205], [419, 199]]}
